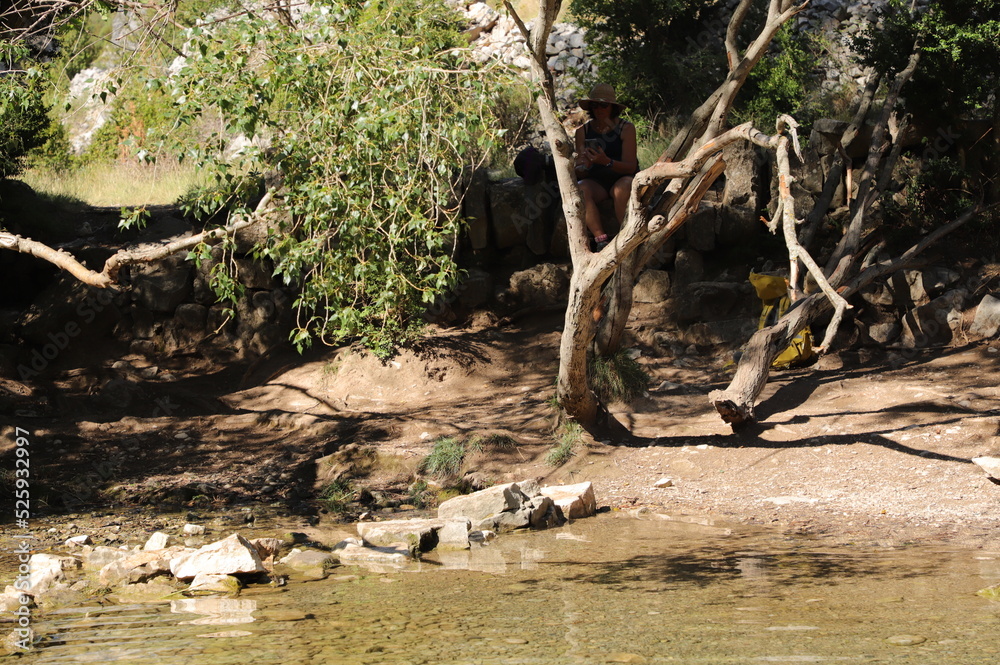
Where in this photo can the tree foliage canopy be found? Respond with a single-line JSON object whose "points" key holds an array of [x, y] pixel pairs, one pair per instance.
{"points": [[371, 112], [959, 43], [23, 111]]}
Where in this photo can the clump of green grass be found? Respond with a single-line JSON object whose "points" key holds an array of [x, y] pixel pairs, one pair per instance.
{"points": [[446, 457], [338, 495], [570, 436], [496, 441], [617, 378]]}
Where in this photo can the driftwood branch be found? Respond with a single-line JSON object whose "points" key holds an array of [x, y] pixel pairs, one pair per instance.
{"points": [[108, 276], [736, 403]]}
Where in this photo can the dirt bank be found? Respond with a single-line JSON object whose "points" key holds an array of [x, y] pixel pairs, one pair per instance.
{"points": [[868, 449]]}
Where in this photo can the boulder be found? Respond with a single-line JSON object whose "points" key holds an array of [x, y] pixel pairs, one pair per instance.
{"points": [[420, 534], [544, 284], [503, 508], [78, 541], [653, 286], [574, 501], [352, 553], [490, 501], [991, 465], [100, 556], [158, 541], [231, 556], [476, 288], [313, 564], [162, 286], [689, 267], [932, 324], [701, 228], [139, 566], [210, 584], [47, 571], [516, 209], [986, 322], [709, 301], [11, 600]]}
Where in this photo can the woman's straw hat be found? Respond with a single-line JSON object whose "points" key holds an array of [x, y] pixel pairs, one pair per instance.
{"points": [[602, 92]]}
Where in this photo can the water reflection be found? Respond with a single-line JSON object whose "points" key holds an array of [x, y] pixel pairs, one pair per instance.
{"points": [[609, 589], [215, 611]]}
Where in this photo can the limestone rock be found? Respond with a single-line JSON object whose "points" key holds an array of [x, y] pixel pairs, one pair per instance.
{"points": [[47, 571], [987, 320], [545, 284], [991, 465], [421, 534], [162, 286], [575, 501], [210, 583], [138, 566], [78, 541], [487, 502], [101, 556], [653, 286], [230, 556], [157, 541], [312, 564], [12, 599], [353, 553], [932, 324], [193, 530]]}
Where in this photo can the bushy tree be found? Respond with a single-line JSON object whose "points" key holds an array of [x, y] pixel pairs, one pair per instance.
{"points": [[23, 111], [666, 56]]}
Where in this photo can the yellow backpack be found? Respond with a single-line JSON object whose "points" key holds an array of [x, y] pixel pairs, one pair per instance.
{"points": [[773, 292]]}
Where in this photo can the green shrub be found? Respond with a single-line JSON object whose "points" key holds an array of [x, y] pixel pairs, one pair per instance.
{"points": [[24, 119], [338, 495], [445, 459], [570, 436], [617, 378]]}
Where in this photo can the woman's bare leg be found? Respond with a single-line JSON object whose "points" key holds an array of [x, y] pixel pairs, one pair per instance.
{"points": [[620, 192], [593, 194]]}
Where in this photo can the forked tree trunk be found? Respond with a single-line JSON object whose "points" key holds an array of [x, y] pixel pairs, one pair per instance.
{"points": [[707, 122]]}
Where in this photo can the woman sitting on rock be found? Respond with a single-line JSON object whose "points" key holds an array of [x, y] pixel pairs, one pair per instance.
{"points": [[606, 158]]}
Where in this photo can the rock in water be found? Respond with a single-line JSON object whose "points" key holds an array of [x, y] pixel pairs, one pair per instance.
{"points": [[230, 556]]}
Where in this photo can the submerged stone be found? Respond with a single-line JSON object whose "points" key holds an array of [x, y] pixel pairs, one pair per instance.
{"points": [[905, 640]]}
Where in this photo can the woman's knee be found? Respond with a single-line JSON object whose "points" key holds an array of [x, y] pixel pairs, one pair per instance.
{"points": [[622, 187]]}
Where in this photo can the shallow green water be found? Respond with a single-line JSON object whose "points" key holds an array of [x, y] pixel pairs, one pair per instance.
{"points": [[607, 589]]}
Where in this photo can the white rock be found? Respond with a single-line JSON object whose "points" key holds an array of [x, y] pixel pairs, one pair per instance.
{"points": [[206, 583], [230, 556], [78, 541], [352, 553], [158, 541], [664, 482], [991, 465], [422, 534], [575, 501], [193, 530], [102, 555], [47, 571]]}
